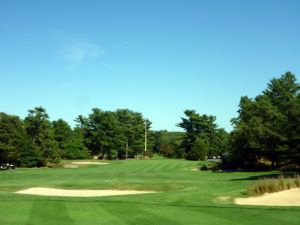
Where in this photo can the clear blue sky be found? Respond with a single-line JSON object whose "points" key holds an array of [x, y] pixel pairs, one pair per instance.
{"points": [[156, 57]]}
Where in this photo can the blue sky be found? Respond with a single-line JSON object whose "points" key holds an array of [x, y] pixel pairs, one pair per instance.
{"points": [[155, 57]]}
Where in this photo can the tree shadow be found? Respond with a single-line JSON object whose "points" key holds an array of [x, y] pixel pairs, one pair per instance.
{"points": [[268, 176]]}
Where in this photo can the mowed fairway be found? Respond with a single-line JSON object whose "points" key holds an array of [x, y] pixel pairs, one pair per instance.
{"points": [[183, 196]]}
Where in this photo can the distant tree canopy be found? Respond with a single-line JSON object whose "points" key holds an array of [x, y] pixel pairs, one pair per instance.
{"points": [[266, 131], [268, 126], [70, 142], [114, 135], [202, 136], [12, 134], [166, 143], [40, 130], [36, 141]]}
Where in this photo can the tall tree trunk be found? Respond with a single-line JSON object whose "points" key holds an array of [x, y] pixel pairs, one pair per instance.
{"points": [[33, 140], [273, 164]]}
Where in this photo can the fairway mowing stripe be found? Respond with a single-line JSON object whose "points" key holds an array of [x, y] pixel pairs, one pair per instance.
{"points": [[208, 206], [154, 167], [122, 170], [111, 170], [85, 200], [90, 213], [135, 215], [145, 168], [134, 169], [171, 167], [40, 211]]}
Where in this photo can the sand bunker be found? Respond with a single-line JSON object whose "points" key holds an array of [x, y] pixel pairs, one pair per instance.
{"points": [[223, 198], [88, 163], [78, 193], [284, 198], [70, 166], [77, 164]]}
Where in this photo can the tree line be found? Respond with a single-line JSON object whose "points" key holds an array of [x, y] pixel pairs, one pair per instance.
{"points": [[267, 129], [37, 141], [265, 132]]}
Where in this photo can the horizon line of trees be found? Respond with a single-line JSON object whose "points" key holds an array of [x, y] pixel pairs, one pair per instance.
{"points": [[36, 141], [266, 131]]}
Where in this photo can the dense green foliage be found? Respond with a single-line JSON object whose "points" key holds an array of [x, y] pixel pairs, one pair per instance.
{"points": [[184, 196], [267, 128], [166, 143], [202, 136], [36, 141], [12, 134], [266, 132], [40, 130], [114, 135]]}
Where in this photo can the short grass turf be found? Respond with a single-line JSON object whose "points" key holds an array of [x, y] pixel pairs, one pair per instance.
{"points": [[184, 196]]}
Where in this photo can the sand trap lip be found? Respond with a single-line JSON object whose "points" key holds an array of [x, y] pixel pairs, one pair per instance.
{"points": [[223, 198], [284, 198], [76, 164], [88, 163], [78, 193], [70, 166]]}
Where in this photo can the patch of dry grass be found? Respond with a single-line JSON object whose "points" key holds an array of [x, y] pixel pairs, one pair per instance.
{"points": [[271, 185]]}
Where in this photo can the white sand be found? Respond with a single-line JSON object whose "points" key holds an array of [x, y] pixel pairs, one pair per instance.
{"points": [[77, 164], [70, 166], [223, 198], [283, 198], [77, 193], [89, 163]]}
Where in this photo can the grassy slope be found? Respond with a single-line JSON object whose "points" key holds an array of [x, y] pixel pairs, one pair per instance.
{"points": [[185, 196]]}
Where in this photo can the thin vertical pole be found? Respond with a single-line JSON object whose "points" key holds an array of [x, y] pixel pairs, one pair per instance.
{"points": [[145, 137], [126, 148]]}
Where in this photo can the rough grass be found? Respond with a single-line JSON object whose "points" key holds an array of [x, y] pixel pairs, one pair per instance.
{"points": [[271, 185], [185, 196]]}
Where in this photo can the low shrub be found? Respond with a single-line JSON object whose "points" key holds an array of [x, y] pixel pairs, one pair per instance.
{"points": [[213, 167]]}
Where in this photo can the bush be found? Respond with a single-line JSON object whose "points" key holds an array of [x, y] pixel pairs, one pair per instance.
{"points": [[74, 149], [30, 156], [212, 167], [198, 152], [149, 153]]}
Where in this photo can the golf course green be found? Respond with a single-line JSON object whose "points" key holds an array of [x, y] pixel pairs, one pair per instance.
{"points": [[183, 196]]}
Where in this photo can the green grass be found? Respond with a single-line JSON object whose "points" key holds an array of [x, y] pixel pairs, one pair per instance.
{"points": [[184, 196]]}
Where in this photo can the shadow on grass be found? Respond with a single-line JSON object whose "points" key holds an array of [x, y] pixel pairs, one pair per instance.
{"points": [[274, 175]]}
